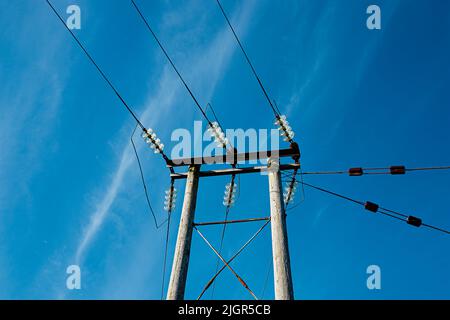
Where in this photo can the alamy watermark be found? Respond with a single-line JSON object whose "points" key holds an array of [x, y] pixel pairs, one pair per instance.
{"points": [[374, 20], [374, 279], [74, 19], [73, 281], [200, 143]]}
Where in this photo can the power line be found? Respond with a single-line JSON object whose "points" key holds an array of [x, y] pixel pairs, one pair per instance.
{"points": [[144, 184], [248, 60], [291, 188], [154, 143], [217, 131], [211, 125], [291, 182], [154, 216], [224, 228], [209, 105], [210, 282], [436, 228], [373, 207], [333, 193], [429, 168], [165, 255], [139, 123], [284, 127], [170, 61], [227, 264], [394, 212], [269, 263], [303, 187], [392, 170], [276, 106], [229, 198], [203, 112], [359, 171], [193, 98], [98, 68], [128, 108], [228, 205]]}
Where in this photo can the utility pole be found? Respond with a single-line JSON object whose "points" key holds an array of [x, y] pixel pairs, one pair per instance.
{"points": [[282, 268], [180, 265], [280, 250]]}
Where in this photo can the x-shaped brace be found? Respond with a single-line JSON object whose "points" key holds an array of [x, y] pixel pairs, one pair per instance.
{"points": [[227, 263]]}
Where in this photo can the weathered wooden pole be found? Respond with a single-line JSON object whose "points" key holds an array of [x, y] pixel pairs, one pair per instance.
{"points": [[180, 264], [280, 250]]}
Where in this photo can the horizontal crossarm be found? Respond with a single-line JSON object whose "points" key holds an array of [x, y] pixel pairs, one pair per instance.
{"points": [[230, 221], [235, 171]]}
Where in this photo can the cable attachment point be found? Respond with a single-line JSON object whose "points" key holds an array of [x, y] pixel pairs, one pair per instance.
{"points": [[230, 194], [216, 132], [285, 129], [289, 192], [152, 140], [170, 199]]}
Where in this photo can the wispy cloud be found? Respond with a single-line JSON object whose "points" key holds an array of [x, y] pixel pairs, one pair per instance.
{"points": [[30, 98], [212, 60], [36, 99], [99, 214]]}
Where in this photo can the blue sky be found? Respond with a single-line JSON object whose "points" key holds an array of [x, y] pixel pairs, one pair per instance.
{"points": [[70, 191]]}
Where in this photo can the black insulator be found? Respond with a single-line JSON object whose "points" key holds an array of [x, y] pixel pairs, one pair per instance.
{"points": [[416, 222], [294, 146], [355, 172], [398, 170], [373, 207]]}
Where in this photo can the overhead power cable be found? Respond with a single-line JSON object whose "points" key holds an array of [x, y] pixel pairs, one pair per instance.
{"points": [[125, 104], [392, 170], [170, 61], [166, 249], [269, 264], [155, 144], [276, 106], [211, 281], [169, 206], [157, 225], [228, 201], [373, 207], [222, 237], [283, 125], [230, 188], [240, 279], [248, 60], [213, 127], [209, 105], [128, 108], [290, 189]]}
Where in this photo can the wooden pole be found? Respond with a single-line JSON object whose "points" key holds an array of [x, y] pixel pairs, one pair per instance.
{"points": [[280, 250], [180, 265]]}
